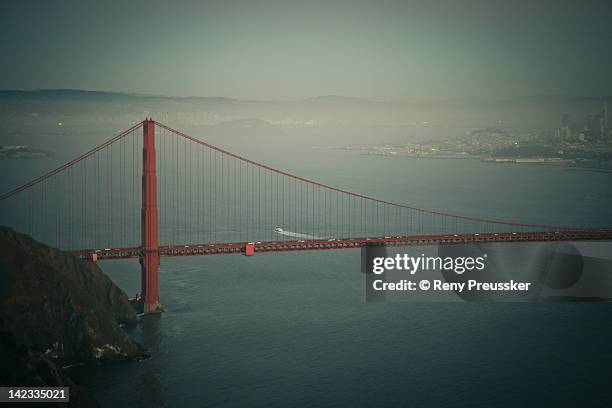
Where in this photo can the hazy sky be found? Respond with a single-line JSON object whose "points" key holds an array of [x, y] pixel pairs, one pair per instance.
{"points": [[283, 49]]}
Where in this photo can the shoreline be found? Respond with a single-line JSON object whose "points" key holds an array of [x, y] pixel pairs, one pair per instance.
{"points": [[504, 160]]}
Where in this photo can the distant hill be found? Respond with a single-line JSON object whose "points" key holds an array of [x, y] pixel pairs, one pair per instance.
{"points": [[249, 127], [20, 109], [338, 99], [82, 93]]}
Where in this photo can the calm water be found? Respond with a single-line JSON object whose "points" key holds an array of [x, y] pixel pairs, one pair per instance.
{"points": [[292, 329]]}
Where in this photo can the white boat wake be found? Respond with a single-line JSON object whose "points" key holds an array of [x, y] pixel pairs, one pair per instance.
{"points": [[296, 234]]}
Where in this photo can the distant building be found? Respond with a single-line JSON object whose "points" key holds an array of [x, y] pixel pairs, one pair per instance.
{"points": [[594, 124], [565, 120], [591, 121]]}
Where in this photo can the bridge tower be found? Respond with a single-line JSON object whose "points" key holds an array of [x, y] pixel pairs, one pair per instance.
{"points": [[149, 260]]}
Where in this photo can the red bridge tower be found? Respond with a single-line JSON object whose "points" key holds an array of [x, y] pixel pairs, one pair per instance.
{"points": [[149, 259]]}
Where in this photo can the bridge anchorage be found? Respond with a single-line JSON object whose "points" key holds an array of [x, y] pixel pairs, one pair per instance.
{"points": [[196, 199]]}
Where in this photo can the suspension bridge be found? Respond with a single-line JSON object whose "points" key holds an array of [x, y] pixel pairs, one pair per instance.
{"points": [[152, 191]]}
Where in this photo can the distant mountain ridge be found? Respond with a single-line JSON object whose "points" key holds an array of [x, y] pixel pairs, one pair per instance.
{"points": [[322, 98], [47, 108]]}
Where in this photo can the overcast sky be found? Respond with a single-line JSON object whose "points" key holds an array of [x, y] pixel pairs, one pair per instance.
{"points": [[282, 49]]}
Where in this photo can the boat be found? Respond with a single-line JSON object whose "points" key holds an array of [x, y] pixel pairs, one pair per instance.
{"points": [[278, 229]]}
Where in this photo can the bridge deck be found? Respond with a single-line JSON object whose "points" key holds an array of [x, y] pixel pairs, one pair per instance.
{"points": [[345, 243]]}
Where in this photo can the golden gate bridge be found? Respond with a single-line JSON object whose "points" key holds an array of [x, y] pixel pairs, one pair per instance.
{"points": [[152, 191]]}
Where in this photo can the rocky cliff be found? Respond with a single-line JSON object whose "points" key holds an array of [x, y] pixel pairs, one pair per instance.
{"points": [[22, 366], [58, 305]]}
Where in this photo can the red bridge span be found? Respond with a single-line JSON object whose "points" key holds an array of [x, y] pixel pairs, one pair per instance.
{"points": [[152, 191]]}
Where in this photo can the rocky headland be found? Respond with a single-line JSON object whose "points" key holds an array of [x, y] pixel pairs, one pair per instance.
{"points": [[56, 310]]}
